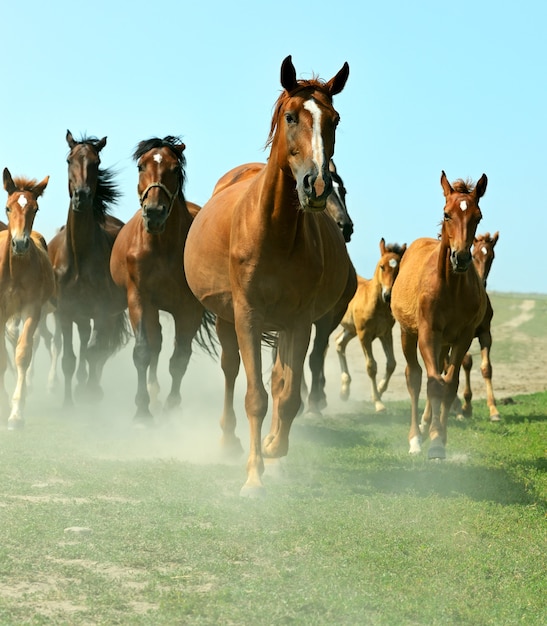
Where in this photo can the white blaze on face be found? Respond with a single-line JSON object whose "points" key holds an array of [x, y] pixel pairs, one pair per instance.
{"points": [[158, 158], [484, 251], [22, 201], [316, 137], [463, 205], [392, 263]]}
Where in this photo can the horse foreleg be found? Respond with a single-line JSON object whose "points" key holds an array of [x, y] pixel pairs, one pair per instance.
{"points": [[229, 362], [187, 322], [317, 398], [68, 361], [147, 330], [372, 369], [56, 348], [23, 357], [465, 409], [249, 337], [4, 401], [485, 340], [341, 342], [84, 333], [413, 374]]}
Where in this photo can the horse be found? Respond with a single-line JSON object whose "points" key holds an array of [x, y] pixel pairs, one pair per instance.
{"points": [[369, 316], [337, 209], [483, 256], [26, 283], [80, 254], [147, 264], [263, 255], [439, 300]]}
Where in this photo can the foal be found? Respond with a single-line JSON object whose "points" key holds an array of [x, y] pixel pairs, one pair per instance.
{"points": [[369, 316], [26, 283]]}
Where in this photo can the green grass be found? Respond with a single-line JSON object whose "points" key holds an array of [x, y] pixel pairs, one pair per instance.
{"points": [[353, 531]]}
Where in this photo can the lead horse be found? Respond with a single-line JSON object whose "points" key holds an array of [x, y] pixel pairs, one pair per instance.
{"points": [[26, 283], [264, 255], [439, 300], [147, 264], [80, 254]]}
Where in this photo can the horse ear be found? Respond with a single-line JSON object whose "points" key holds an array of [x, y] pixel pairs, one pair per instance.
{"points": [[39, 189], [480, 187], [495, 238], [288, 74], [180, 148], [403, 249], [70, 139], [338, 82], [447, 188], [9, 185], [382, 246], [101, 144]]}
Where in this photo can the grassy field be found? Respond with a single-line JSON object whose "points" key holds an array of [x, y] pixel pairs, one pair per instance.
{"points": [[105, 524]]}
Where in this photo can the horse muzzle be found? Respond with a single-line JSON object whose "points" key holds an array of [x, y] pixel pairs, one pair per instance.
{"points": [[20, 245], [460, 261], [314, 190], [154, 219], [82, 199]]}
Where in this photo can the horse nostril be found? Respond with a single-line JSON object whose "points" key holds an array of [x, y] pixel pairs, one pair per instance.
{"points": [[307, 183]]}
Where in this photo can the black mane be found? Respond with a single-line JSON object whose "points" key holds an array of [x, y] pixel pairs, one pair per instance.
{"points": [[170, 141]]}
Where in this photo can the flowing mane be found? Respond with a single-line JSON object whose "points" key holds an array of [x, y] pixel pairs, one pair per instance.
{"points": [[173, 143]]}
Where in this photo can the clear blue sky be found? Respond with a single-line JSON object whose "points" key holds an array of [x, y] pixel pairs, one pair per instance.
{"points": [[459, 86]]}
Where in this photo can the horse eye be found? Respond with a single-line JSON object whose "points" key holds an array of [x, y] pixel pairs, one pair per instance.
{"points": [[8, 209], [290, 118], [447, 217]]}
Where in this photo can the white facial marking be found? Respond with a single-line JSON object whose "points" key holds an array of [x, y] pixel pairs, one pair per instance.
{"points": [[392, 263], [22, 201], [316, 138], [158, 158], [484, 251], [463, 205]]}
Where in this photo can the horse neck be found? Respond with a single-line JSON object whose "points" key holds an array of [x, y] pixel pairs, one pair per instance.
{"points": [[81, 232], [279, 206], [176, 226]]}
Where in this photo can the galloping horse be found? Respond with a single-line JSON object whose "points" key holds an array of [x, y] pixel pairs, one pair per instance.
{"points": [[147, 264], [483, 256], [80, 254], [337, 209], [369, 316], [439, 300], [26, 283], [264, 255]]}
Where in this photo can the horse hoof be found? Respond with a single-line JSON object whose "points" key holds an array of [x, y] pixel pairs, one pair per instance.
{"points": [[15, 423], [495, 418], [143, 421], [255, 492], [415, 446], [380, 407], [231, 448], [436, 450]]}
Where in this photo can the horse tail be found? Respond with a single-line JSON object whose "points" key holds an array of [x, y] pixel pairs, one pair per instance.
{"points": [[206, 337], [118, 332]]}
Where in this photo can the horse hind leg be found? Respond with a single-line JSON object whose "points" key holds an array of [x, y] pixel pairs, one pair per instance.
{"points": [[230, 363]]}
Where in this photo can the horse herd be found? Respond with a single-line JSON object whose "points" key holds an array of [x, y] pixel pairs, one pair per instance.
{"points": [[264, 259]]}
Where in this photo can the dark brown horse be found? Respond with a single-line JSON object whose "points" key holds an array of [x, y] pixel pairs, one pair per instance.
{"points": [[26, 283], [80, 254], [369, 317], [483, 256], [147, 264], [264, 255], [439, 300]]}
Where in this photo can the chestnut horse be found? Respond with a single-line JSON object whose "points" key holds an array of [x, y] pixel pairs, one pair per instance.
{"points": [[369, 317], [147, 264], [483, 256], [80, 254], [26, 283], [337, 209], [264, 255], [439, 300]]}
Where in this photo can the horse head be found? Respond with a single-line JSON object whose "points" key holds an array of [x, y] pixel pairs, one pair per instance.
{"points": [[461, 218], [483, 254], [161, 176], [303, 130], [336, 204], [21, 209], [83, 170], [388, 267]]}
